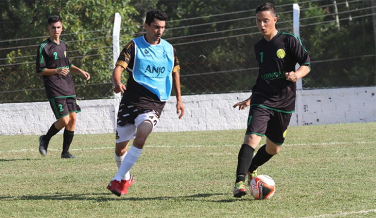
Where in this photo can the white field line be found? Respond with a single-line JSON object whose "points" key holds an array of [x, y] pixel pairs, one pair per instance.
{"points": [[188, 146], [342, 214]]}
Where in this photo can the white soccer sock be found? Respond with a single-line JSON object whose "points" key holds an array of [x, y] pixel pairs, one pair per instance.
{"points": [[119, 160], [129, 160]]}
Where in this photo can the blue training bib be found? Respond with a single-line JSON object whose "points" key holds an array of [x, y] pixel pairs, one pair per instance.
{"points": [[153, 66]]}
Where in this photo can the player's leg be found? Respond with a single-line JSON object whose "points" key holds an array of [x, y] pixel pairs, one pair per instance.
{"points": [[68, 135], [121, 150], [143, 131], [275, 134], [245, 155], [60, 110], [70, 126], [145, 123], [257, 120], [263, 155], [120, 185]]}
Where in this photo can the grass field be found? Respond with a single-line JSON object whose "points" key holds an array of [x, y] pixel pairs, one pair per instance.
{"points": [[321, 171]]}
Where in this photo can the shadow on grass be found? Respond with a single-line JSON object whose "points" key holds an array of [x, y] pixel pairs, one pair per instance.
{"points": [[100, 197], [5, 160]]}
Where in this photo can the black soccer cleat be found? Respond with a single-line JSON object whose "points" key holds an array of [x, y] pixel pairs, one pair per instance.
{"points": [[67, 155], [42, 146]]}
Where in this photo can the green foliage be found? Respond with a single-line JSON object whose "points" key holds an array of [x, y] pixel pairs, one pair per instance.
{"points": [[214, 41], [87, 30]]}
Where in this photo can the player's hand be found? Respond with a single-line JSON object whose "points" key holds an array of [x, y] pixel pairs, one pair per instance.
{"points": [[120, 87], [86, 75], [291, 76], [180, 109], [243, 104], [62, 71]]}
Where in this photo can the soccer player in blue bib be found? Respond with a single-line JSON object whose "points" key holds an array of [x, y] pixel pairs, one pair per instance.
{"points": [[153, 70], [273, 96], [54, 65]]}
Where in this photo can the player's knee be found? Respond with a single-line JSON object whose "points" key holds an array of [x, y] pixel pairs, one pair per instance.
{"points": [[272, 149], [64, 121], [139, 141], [121, 148]]}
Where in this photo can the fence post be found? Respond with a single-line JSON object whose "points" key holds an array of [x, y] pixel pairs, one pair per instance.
{"points": [[374, 27], [115, 55], [299, 84]]}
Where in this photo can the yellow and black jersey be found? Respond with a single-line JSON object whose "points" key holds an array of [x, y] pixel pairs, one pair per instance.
{"points": [[275, 58], [51, 55]]}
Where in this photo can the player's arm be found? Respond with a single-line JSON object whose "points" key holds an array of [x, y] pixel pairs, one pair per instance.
{"points": [[176, 85], [50, 72], [116, 79], [77, 70], [301, 72], [122, 63], [302, 57], [243, 104]]}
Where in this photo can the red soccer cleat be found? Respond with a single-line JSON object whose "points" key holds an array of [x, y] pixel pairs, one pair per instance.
{"points": [[114, 187], [125, 184]]}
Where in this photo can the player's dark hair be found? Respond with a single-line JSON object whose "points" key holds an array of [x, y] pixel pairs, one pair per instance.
{"points": [[155, 14], [267, 6], [54, 19]]}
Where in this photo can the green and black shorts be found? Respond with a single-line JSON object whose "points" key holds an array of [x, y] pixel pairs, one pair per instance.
{"points": [[64, 105]]}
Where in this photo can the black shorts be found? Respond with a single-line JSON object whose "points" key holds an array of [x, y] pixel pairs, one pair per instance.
{"points": [[62, 106], [268, 122]]}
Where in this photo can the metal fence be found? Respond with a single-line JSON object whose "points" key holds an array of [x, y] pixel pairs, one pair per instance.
{"points": [[215, 52]]}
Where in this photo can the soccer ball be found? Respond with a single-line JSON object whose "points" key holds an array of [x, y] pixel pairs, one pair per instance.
{"points": [[262, 187]]}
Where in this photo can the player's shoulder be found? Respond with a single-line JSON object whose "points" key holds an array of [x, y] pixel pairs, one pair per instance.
{"points": [[130, 44], [44, 43], [43, 46], [289, 36]]}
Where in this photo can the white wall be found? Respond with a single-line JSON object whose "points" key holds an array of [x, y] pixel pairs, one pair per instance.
{"points": [[203, 112]]}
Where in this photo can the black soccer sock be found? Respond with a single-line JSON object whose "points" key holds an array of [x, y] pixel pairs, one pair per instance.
{"points": [[260, 158], [68, 138], [244, 161], [51, 132]]}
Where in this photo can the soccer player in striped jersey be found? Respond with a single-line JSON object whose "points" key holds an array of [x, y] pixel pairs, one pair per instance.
{"points": [[53, 64], [273, 96], [153, 70]]}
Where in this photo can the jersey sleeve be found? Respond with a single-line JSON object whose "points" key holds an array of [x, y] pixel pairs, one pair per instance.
{"points": [[40, 60], [176, 63], [126, 55], [300, 52]]}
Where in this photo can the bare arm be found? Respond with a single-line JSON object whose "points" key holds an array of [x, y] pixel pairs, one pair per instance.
{"points": [[116, 79], [176, 85], [301, 72], [65, 71], [50, 72], [243, 104], [83, 73]]}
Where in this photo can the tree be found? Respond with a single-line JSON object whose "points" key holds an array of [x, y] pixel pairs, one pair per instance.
{"points": [[87, 29]]}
